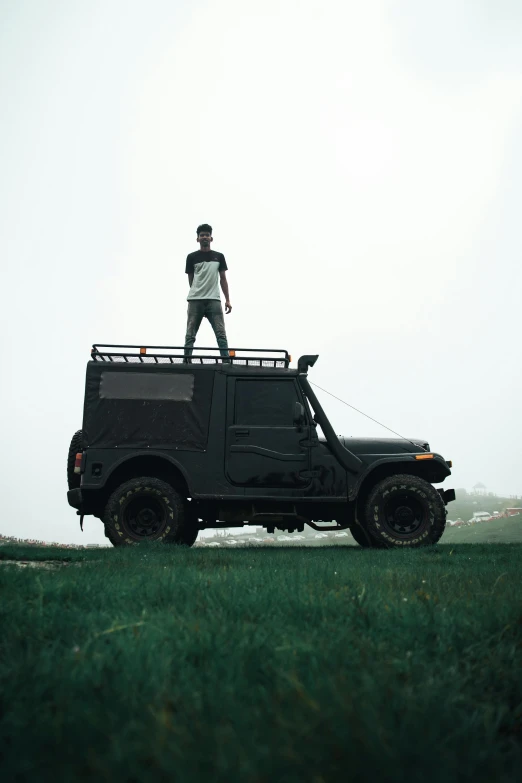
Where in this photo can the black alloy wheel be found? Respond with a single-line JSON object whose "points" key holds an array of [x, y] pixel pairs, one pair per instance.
{"points": [[144, 509], [405, 514], [405, 510], [145, 516]]}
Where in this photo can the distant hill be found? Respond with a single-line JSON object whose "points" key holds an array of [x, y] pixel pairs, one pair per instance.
{"points": [[467, 503]]}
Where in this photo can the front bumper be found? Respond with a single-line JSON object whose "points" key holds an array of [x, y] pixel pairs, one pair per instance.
{"points": [[74, 498]]}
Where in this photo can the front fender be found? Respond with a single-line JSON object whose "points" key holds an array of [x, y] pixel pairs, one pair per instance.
{"points": [[433, 470]]}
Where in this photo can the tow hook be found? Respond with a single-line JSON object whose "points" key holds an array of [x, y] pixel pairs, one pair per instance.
{"points": [[81, 515], [447, 495]]}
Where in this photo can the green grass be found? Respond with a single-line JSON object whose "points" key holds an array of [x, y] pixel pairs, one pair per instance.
{"points": [[498, 531], [262, 664]]}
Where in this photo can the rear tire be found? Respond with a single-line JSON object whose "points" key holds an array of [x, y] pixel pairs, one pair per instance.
{"points": [[144, 509], [405, 511], [189, 531], [73, 479], [188, 535]]}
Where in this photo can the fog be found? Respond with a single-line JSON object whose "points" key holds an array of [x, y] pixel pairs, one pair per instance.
{"points": [[362, 169]]}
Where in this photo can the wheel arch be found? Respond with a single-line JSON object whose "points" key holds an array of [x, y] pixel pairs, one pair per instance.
{"points": [[154, 465]]}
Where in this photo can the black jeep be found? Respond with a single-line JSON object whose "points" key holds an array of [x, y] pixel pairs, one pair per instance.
{"points": [[172, 445]]}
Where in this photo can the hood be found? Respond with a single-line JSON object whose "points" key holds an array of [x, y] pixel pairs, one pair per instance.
{"points": [[361, 446]]}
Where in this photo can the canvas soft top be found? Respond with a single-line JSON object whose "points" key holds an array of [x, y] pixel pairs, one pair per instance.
{"points": [[151, 397]]}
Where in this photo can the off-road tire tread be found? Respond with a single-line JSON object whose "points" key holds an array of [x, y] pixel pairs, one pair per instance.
{"points": [[439, 512], [177, 502], [73, 479]]}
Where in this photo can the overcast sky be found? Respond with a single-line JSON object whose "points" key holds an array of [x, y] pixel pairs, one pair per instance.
{"points": [[361, 164]]}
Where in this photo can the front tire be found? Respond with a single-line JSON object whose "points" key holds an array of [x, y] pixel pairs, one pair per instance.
{"points": [[144, 509], [362, 538], [405, 511]]}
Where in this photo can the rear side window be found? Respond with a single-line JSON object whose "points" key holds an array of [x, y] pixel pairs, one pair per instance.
{"points": [[146, 386], [265, 403]]}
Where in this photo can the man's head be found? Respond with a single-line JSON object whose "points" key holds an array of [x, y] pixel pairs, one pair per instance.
{"points": [[204, 234]]}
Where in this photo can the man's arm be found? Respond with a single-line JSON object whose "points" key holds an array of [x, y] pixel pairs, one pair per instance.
{"points": [[189, 269], [224, 287]]}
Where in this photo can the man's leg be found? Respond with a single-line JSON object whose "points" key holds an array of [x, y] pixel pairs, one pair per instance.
{"points": [[214, 313], [195, 313]]}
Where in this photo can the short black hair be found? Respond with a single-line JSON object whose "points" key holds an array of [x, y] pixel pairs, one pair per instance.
{"points": [[204, 227]]}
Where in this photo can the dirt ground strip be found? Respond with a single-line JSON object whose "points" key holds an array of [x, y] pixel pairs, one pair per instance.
{"points": [[49, 564]]}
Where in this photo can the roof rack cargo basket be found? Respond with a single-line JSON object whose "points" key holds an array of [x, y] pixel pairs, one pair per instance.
{"points": [[175, 354]]}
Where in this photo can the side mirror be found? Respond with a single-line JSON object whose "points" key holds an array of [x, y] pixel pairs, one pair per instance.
{"points": [[299, 413]]}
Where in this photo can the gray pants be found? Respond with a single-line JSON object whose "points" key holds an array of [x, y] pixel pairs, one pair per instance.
{"points": [[212, 310]]}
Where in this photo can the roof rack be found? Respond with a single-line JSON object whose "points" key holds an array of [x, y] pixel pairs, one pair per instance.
{"points": [[161, 354]]}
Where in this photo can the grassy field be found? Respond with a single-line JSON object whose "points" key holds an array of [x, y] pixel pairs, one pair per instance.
{"points": [[498, 531], [262, 664]]}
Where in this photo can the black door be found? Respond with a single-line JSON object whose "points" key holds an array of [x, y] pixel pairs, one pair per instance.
{"points": [[266, 445]]}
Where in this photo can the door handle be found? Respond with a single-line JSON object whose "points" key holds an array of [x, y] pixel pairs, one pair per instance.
{"points": [[240, 433]]}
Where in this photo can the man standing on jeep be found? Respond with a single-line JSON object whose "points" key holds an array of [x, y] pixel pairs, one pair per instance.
{"points": [[206, 270]]}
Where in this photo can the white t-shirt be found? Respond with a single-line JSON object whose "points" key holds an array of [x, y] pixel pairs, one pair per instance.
{"points": [[205, 266]]}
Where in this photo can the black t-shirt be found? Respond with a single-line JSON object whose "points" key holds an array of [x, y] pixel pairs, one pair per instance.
{"points": [[200, 255]]}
